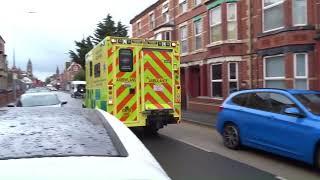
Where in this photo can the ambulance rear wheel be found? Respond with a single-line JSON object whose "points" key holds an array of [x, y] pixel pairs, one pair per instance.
{"points": [[149, 130]]}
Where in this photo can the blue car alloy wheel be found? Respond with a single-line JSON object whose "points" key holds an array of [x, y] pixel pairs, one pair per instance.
{"points": [[231, 137]]}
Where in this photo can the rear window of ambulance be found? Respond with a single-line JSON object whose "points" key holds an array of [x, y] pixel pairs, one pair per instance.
{"points": [[125, 60]]}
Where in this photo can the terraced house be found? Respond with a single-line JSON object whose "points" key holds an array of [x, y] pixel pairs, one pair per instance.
{"points": [[3, 66], [267, 43]]}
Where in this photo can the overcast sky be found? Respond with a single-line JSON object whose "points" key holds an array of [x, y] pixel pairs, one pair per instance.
{"points": [[48, 34]]}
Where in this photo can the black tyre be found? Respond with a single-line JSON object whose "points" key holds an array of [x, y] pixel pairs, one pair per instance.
{"points": [[149, 130], [317, 158], [231, 136]]}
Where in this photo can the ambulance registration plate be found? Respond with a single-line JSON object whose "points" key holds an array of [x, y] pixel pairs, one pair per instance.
{"points": [[157, 87]]}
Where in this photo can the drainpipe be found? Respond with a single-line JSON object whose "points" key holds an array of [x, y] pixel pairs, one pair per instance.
{"points": [[250, 41]]}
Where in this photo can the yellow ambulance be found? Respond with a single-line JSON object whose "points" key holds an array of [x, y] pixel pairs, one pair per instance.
{"points": [[136, 80]]}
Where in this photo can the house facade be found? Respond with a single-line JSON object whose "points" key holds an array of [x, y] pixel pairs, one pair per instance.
{"points": [[71, 69], [3, 66], [266, 43]]}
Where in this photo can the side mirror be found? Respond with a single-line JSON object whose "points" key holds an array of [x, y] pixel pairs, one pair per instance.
{"points": [[64, 102], [11, 105], [294, 112]]}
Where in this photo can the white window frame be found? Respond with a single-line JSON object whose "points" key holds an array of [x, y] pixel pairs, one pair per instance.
{"points": [[166, 17], [183, 6], [216, 24], [165, 34], [186, 38], [158, 36], [232, 20], [216, 80], [197, 2], [306, 69], [197, 35], [165, 9], [306, 1], [265, 69], [152, 20], [237, 75], [165, 12], [139, 27], [268, 7]]}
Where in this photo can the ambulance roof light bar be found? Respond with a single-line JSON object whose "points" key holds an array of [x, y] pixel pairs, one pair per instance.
{"points": [[139, 41]]}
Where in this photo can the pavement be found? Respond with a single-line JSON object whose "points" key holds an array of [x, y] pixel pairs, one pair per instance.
{"points": [[206, 119]]}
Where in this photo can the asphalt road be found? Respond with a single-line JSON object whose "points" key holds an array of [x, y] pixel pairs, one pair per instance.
{"points": [[183, 161]]}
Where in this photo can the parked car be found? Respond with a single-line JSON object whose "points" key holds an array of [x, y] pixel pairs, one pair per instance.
{"points": [[78, 89], [43, 99], [53, 89], [284, 122], [70, 143], [37, 90]]}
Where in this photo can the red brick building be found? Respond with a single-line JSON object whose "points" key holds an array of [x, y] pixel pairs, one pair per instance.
{"points": [[68, 75], [3, 66], [267, 43]]}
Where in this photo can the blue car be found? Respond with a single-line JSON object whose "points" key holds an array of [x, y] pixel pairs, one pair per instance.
{"points": [[284, 122]]}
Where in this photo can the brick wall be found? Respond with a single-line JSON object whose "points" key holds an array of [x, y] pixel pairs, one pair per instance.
{"points": [[7, 97]]}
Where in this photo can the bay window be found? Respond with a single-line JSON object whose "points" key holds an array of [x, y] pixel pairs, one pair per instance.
{"points": [[167, 36], [216, 80], [274, 72], [233, 76], [158, 36], [301, 71]]}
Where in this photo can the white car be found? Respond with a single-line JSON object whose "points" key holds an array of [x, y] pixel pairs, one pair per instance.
{"points": [[43, 99], [71, 144]]}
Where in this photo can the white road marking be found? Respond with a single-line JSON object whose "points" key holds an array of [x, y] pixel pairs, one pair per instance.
{"points": [[191, 144], [280, 178]]}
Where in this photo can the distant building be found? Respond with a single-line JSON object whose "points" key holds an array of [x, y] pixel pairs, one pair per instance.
{"points": [[57, 71], [29, 69], [3, 66], [69, 73]]}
